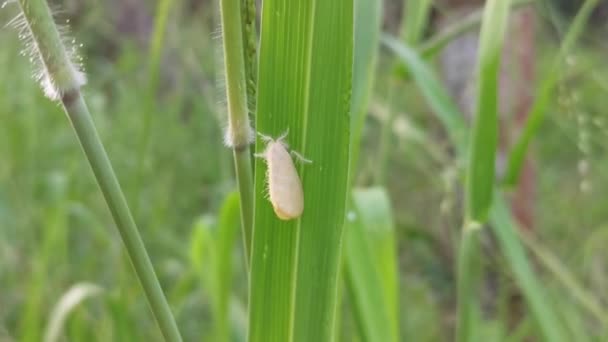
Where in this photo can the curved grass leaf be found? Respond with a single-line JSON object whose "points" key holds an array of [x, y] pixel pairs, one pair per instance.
{"points": [[305, 71], [67, 303]]}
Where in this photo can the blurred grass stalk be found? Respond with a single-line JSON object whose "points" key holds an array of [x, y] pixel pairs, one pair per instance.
{"points": [[434, 45], [239, 134], [62, 80], [544, 95], [480, 175], [416, 14]]}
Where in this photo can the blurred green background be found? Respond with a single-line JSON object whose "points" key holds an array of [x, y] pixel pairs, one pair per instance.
{"points": [[160, 111]]}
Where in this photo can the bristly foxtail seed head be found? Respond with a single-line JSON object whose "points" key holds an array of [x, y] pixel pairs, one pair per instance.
{"points": [[54, 75]]}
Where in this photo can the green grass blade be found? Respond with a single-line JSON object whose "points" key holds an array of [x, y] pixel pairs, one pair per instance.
{"points": [[434, 93], [484, 137], [544, 96], [504, 228], [371, 266], [367, 35], [304, 87]]}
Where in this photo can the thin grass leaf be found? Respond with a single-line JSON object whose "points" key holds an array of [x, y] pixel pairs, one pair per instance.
{"points": [[552, 263], [371, 266], [505, 231], [367, 35], [304, 88], [434, 93]]}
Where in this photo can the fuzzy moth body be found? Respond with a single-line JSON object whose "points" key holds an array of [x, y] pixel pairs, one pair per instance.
{"points": [[284, 185]]}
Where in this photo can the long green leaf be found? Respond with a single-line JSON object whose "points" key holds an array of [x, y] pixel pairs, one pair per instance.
{"points": [[371, 265], [305, 71]]}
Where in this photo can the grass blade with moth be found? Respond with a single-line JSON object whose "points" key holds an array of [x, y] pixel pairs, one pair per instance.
{"points": [[304, 87]]}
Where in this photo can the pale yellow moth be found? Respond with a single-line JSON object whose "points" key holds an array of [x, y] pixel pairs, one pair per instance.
{"points": [[284, 185]]}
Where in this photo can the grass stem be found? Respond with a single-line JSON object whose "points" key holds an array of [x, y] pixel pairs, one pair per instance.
{"points": [[62, 80], [239, 135]]}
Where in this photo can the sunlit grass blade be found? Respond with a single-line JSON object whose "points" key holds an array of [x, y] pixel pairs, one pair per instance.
{"points": [[304, 87], [544, 95], [66, 304], [371, 266]]}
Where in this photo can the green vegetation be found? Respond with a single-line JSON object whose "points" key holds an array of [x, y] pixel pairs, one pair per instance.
{"points": [[408, 231]]}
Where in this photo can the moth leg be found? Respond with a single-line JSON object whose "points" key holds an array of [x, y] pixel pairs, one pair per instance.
{"points": [[300, 157]]}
